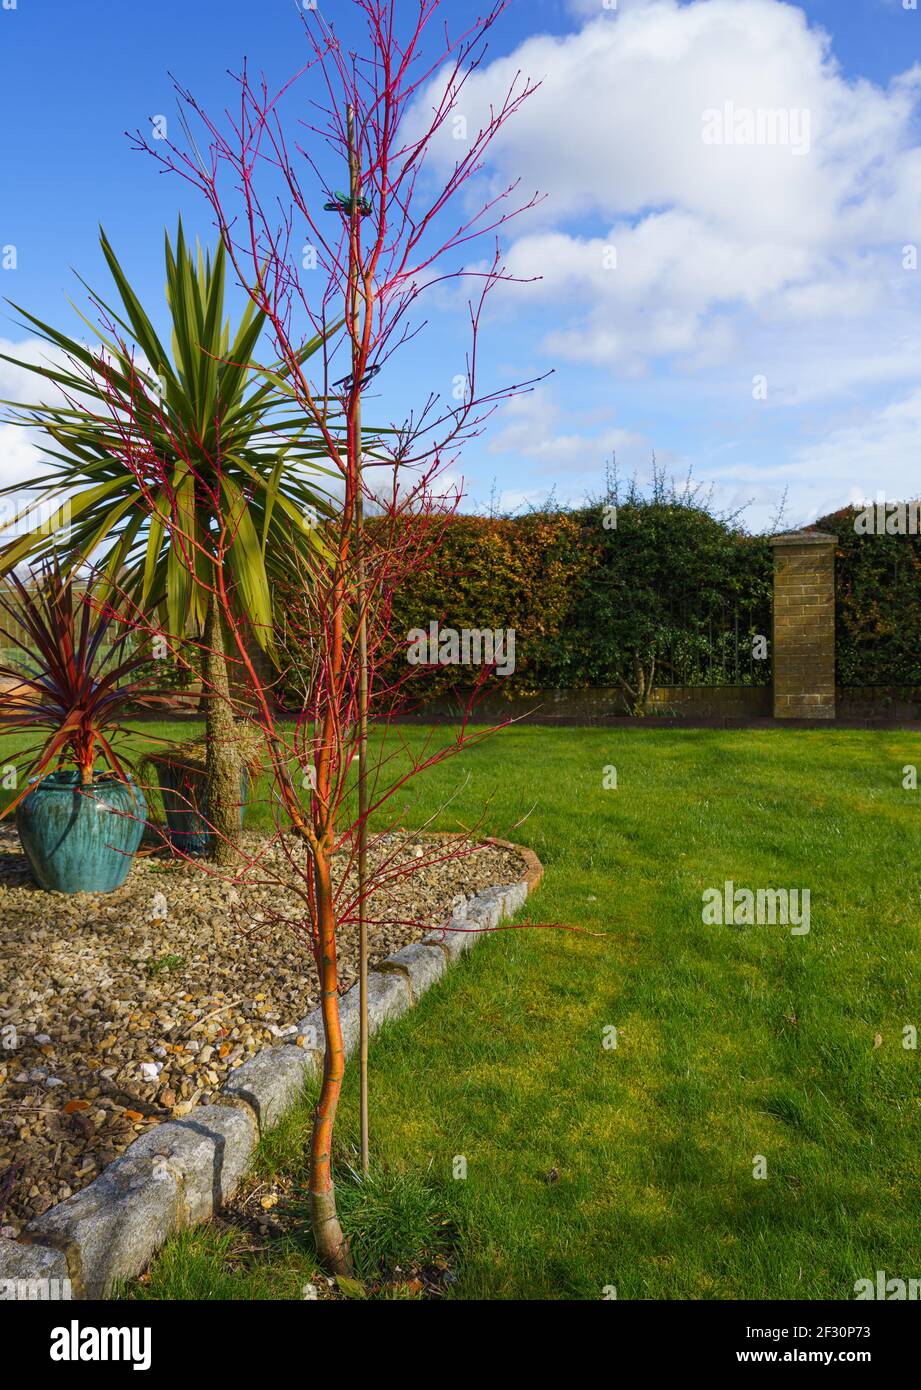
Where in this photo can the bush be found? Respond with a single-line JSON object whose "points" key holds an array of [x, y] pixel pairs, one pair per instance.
{"points": [[877, 604], [671, 594]]}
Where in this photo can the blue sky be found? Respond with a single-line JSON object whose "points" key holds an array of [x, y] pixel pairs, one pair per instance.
{"points": [[760, 325]]}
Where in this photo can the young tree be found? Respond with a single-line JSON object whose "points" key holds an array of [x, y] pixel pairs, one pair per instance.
{"points": [[374, 119]]}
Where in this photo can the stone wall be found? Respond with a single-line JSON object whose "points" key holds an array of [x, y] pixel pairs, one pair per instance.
{"points": [[879, 702], [601, 704], [732, 704], [712, 701]]}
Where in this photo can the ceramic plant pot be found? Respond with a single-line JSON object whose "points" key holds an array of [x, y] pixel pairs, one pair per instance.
{"points": [[81, 839]]}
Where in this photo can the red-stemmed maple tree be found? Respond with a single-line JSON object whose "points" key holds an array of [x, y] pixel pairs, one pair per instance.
{"points": [[269, 169]]}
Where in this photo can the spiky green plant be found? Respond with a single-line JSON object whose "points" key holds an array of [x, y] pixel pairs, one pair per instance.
{"points": [[223, 441]]}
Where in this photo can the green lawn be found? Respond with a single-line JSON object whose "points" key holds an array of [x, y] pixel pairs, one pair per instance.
{"points": [[734, 1042]]}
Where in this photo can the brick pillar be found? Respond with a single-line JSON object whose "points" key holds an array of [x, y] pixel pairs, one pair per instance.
{"points": [[804, 625]]}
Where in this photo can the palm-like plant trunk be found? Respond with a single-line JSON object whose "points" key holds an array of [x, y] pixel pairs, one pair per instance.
{"points": [[222, 757]]}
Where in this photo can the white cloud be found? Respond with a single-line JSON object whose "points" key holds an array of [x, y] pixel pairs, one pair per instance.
{"points": [[844, 466], [21, 459], [531, 427], [617, 125], [711, 240]]}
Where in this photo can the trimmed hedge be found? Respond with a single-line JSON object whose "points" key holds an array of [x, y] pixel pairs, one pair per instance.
{"points": [[877, 603], [670, 595]]}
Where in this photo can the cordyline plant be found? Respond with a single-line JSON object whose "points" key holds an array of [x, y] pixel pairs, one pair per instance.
{"points": [[372, 122], [190, 401], [76, 679]]}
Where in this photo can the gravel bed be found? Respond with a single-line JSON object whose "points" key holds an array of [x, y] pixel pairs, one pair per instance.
{"points": [[119, 1010]]}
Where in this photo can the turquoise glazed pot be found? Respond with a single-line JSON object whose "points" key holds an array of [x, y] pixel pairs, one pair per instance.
{"points": [[74, 838], [185, 806]]}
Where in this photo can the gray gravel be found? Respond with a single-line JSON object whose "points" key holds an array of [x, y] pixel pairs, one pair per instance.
{"points": [[120, 1010]]}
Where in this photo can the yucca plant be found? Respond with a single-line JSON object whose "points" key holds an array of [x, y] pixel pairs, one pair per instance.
{"points": [[75, 678], [220, 439]]}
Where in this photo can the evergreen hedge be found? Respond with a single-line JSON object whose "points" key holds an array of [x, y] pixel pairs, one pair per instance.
{"points": [[670, 594], [654, 590], [878, 604]]}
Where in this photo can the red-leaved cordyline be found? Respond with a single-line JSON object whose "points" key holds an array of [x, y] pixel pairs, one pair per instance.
{"points": [[349, 267]]}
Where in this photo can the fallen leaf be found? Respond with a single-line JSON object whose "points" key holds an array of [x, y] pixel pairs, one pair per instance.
{"points": [[878, 1040], [351, 1287], [73, 1106], [134, 1116]]}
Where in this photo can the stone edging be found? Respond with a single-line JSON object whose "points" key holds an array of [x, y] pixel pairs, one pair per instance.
{"points": [[181, 1171]]}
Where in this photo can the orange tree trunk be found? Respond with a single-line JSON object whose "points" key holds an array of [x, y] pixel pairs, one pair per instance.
{"points": [[332, 1246]]}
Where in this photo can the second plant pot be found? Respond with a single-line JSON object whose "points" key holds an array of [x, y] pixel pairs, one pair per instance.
{"points": [[184, 791]]}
